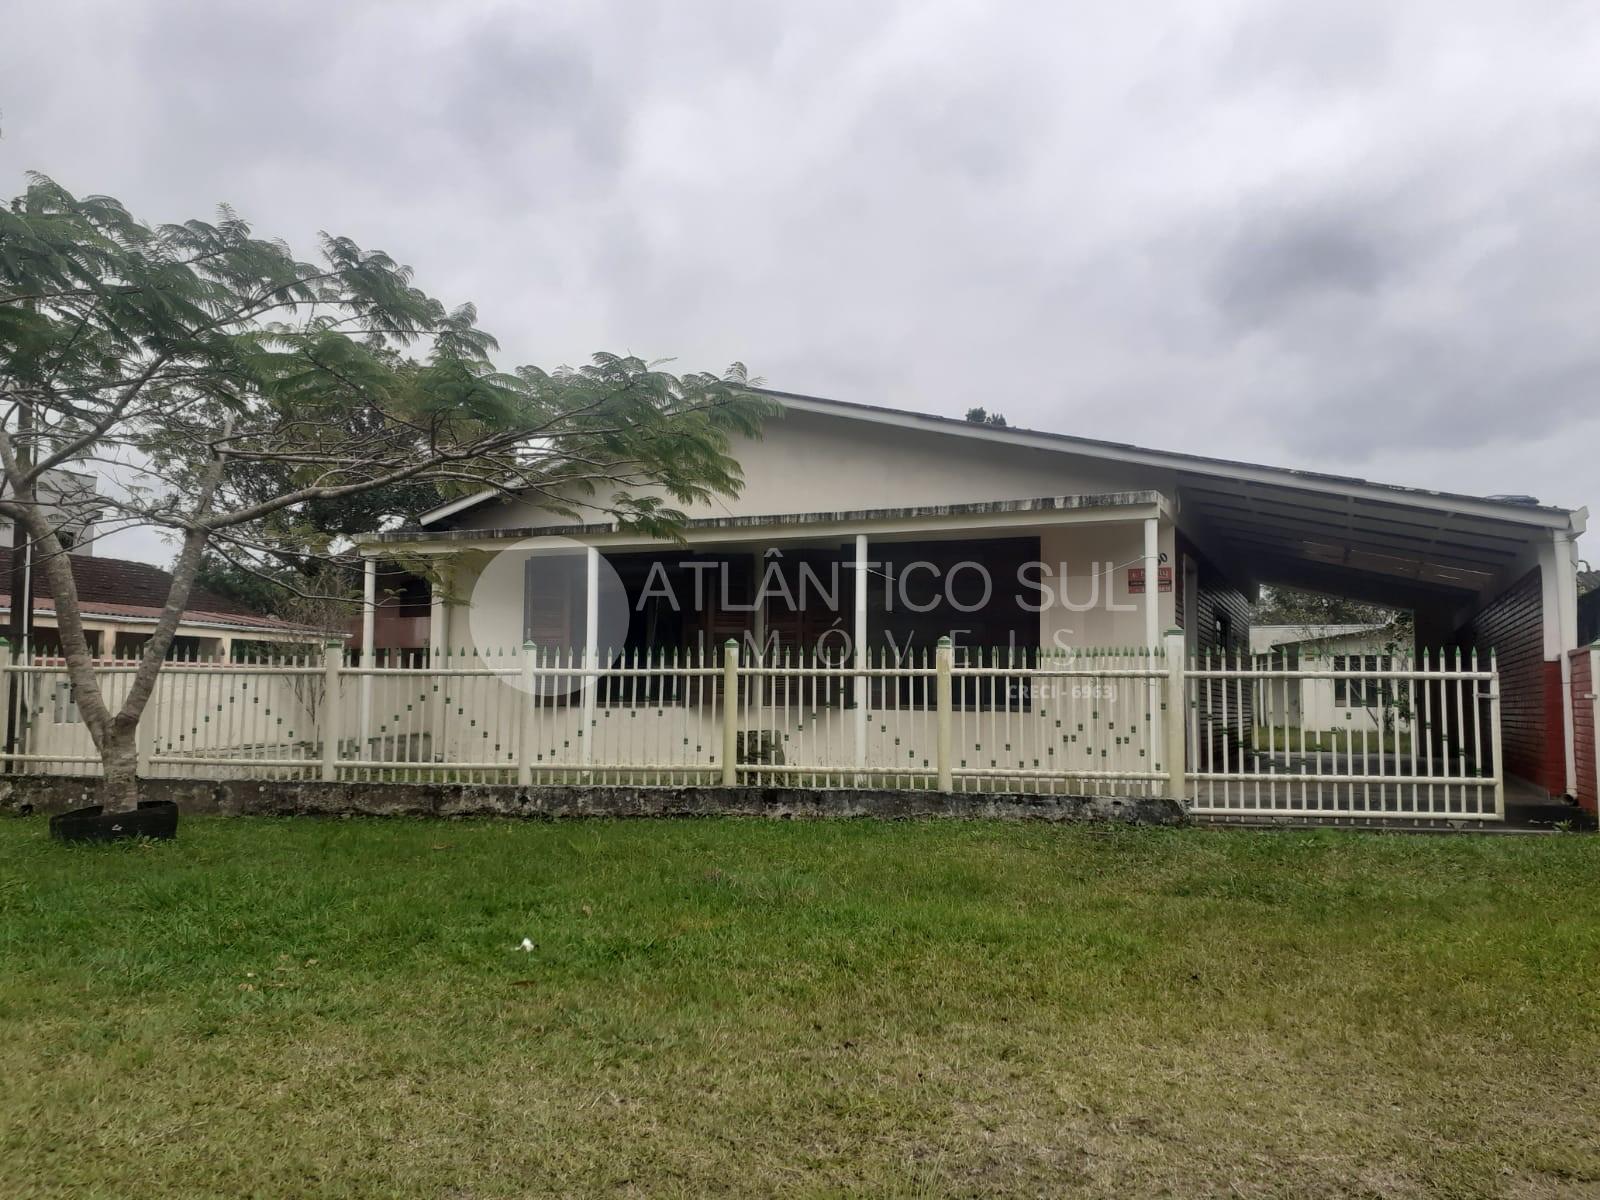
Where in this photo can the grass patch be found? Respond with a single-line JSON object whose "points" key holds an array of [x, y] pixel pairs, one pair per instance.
{"points": [[1357, 740], [736, 1007]]}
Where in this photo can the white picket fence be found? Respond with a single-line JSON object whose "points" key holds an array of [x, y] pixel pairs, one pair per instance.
{"points": [[1064, 722]]}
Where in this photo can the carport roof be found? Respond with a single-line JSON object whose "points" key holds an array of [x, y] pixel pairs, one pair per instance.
{"points": [[1281, 525]]}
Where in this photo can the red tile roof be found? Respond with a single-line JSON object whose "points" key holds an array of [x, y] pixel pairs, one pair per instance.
{"points": [[118, 587]]}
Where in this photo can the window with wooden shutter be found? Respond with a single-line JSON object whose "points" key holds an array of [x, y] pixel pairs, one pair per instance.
{"points": [[553, 602]]}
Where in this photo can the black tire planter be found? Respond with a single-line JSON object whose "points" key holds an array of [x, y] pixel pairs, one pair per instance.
{"points": [[152, 819]]}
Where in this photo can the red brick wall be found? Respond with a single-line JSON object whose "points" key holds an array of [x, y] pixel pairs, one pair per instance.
{"points": [[1532, 716], [1583, 739]]}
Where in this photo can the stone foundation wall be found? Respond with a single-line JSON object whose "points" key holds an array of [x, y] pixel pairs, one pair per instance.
{"points": [[22, 794]]}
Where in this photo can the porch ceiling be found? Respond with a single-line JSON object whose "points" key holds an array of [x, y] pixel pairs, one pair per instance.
{"points": [[1381, 548]]}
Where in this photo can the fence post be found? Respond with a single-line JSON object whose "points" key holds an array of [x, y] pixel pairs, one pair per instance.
{"points": [[944, 702], [525, 721], [1173, 726], [730, 713], [332, 660], [1494, 734], [9, 682], [144, 737]]}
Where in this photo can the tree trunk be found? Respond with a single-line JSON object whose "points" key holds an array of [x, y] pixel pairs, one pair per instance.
{"points": [[119, 764]]}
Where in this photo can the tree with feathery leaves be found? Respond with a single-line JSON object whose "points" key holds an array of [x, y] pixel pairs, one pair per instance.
{"points": [[250, 392]]}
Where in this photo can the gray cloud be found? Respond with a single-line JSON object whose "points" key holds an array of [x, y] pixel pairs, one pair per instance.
{"points": [[1274, 266], [1358, 237]]}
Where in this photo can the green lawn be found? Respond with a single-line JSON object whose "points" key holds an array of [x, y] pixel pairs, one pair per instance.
{"points": [[298, 1007], [1356, 739]]}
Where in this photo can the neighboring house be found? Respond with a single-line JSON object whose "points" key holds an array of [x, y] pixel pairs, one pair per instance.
{"points": [[1319, 705], [71, 503], [121, 600], [402, 611], [1129, 542]]}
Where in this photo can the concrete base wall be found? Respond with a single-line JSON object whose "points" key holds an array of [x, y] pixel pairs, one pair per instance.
{"points": [[22, 794]]}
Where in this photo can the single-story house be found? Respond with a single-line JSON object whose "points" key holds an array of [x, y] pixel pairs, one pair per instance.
{"points": [[1316, 705], [121, 600], [1014, 541], [73, 505]]}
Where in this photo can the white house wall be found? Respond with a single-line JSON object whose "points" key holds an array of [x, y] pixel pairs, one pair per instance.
{"points": [[1096, 607], [806, 462], [1313, 706]]}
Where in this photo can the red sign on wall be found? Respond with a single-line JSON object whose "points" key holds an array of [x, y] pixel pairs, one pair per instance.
{"points": [[1136, 580]]}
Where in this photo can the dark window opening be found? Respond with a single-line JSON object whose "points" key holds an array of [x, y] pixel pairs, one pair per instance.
{"points": [[184, 648], [682, 607], [1363, 693], [46, 643], [970, 592], [404, 595]]}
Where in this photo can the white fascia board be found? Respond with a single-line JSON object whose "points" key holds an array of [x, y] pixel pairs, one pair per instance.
{"points": [[455, 506]]}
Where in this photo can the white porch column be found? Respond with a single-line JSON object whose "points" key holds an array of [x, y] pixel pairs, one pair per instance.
{"points": [[438, 624], [1152, 582], [369, 620], [858, 683], [758, 626], [438, 649], [591, 649]]}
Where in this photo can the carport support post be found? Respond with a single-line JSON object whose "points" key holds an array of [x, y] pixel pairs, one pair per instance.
{"points": [[1172, 725], [944, 701], [332, 656], [1152, 646], [730, 713]]}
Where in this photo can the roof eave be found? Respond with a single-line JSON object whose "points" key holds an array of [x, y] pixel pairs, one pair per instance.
{"points": [[1569, 521], [1543, 516]]}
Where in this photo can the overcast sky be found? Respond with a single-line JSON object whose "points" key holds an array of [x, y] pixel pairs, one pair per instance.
{"points": [[1361, 238]]}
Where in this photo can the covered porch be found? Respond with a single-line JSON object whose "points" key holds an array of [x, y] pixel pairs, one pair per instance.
{"points": [[1055, 573], [835, 622]]}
